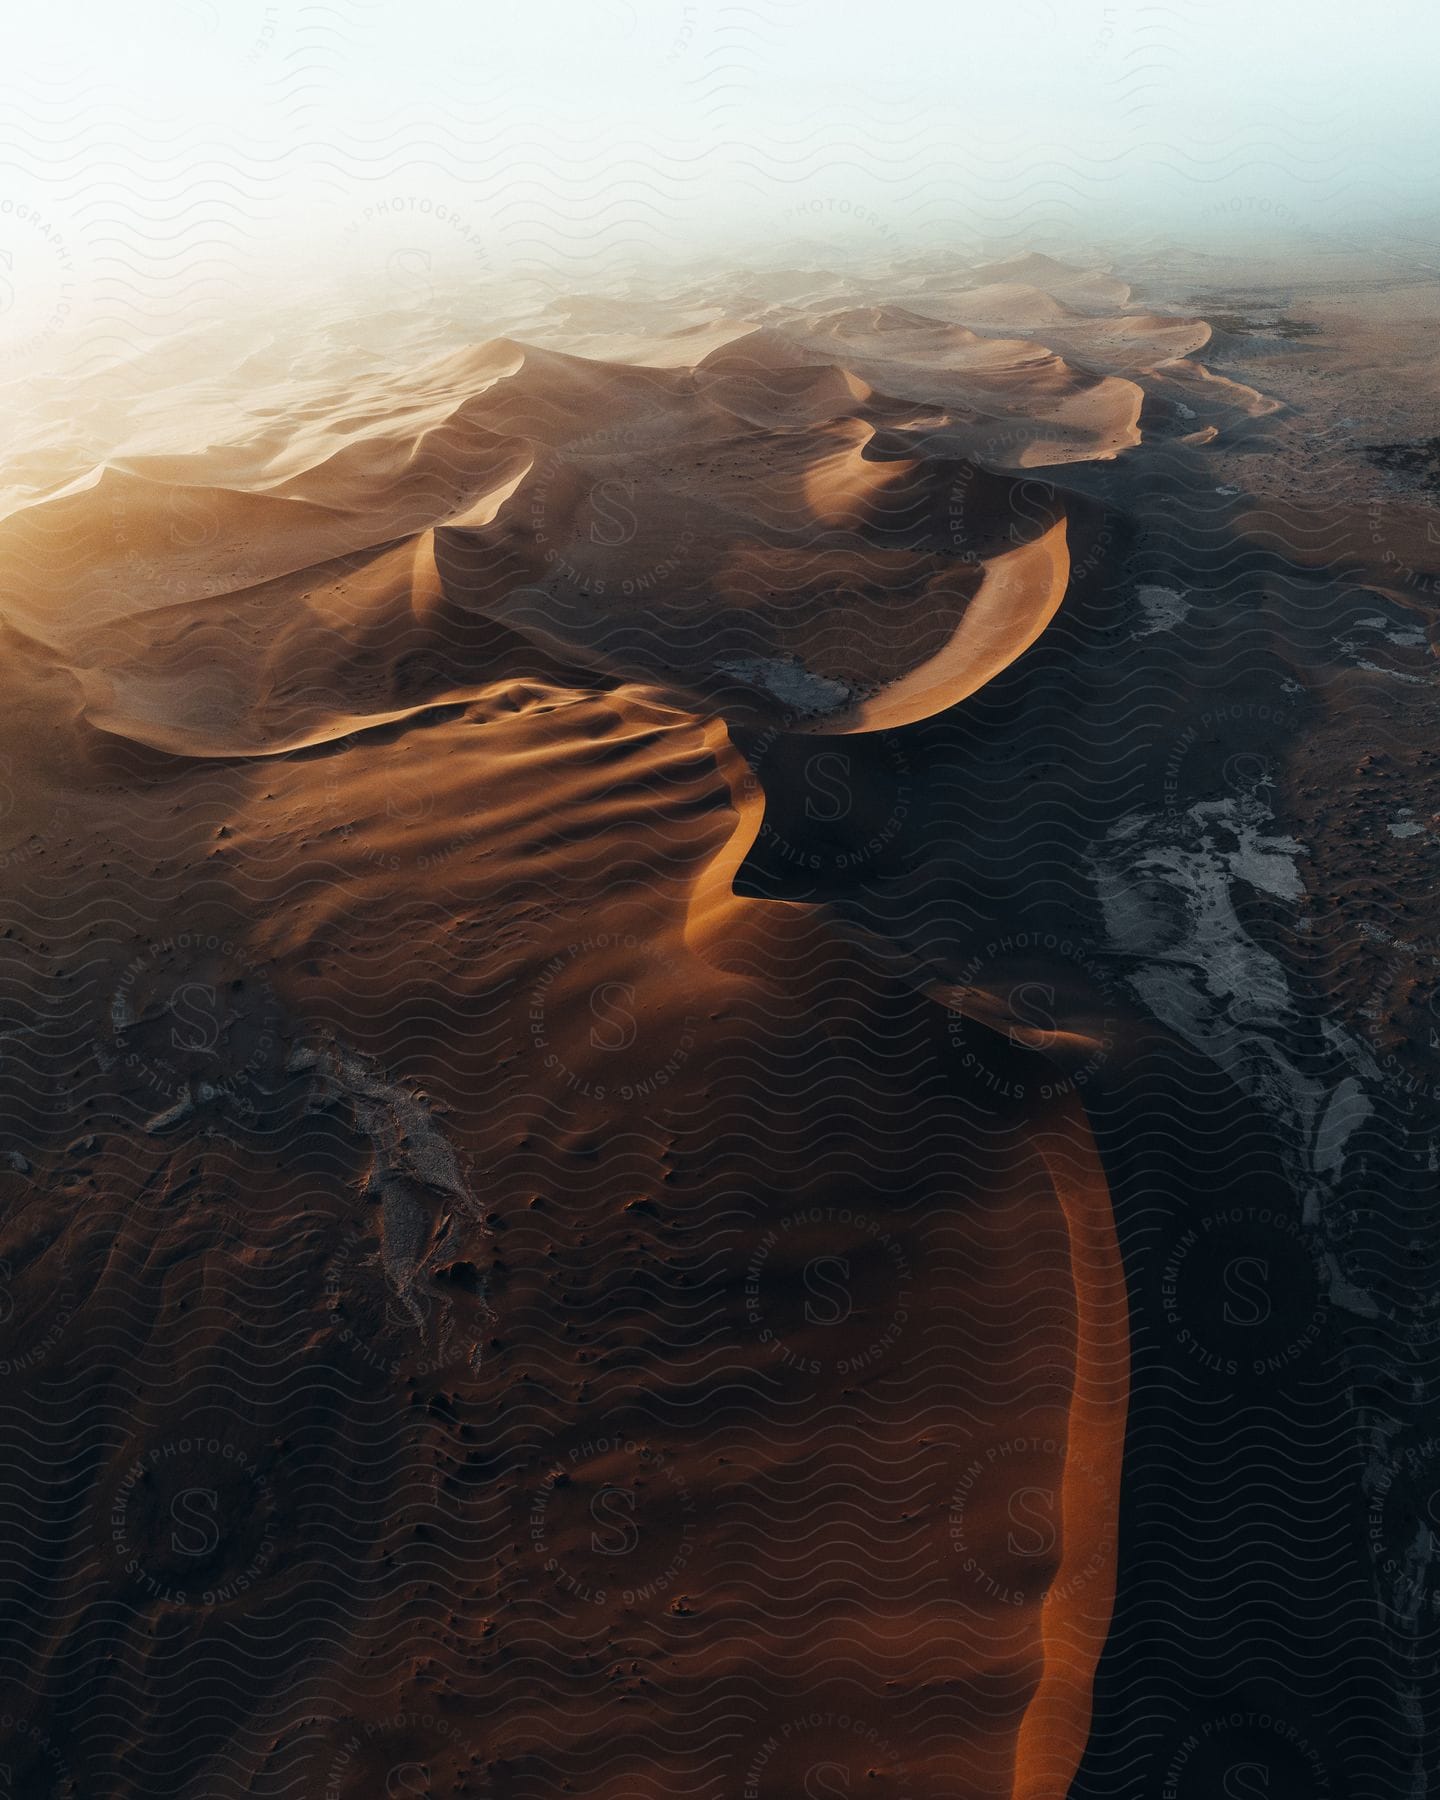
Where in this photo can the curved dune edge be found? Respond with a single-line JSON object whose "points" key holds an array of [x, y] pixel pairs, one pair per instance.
{"points": [[1019, 592], [1018, 596], [713, 899], [1056, 1724], [102, 709]]}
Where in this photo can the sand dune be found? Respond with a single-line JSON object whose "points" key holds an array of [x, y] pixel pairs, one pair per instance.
{"points": [[1017, 598], [522, 910], [416, 726]]}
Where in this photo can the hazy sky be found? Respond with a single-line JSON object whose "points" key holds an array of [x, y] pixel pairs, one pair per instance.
{"points": [[158, 152]]}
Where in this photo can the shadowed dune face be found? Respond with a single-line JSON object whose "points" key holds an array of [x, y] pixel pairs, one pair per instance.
{"points": [[669, 1293], [627, 516], [684, 1314], [635, 1336]]}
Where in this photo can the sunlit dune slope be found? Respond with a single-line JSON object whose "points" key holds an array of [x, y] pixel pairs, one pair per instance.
{"points": [[517, 1161]]}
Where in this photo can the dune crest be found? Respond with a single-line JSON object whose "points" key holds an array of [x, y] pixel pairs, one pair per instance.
{"points": [[447, 708], [1018, 596]]}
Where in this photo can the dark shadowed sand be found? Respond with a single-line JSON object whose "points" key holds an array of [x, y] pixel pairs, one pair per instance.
{"points": [[643, 953]]}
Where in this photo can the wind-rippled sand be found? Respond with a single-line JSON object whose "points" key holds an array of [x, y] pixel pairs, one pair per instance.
{"points": [[494, 1297]]}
